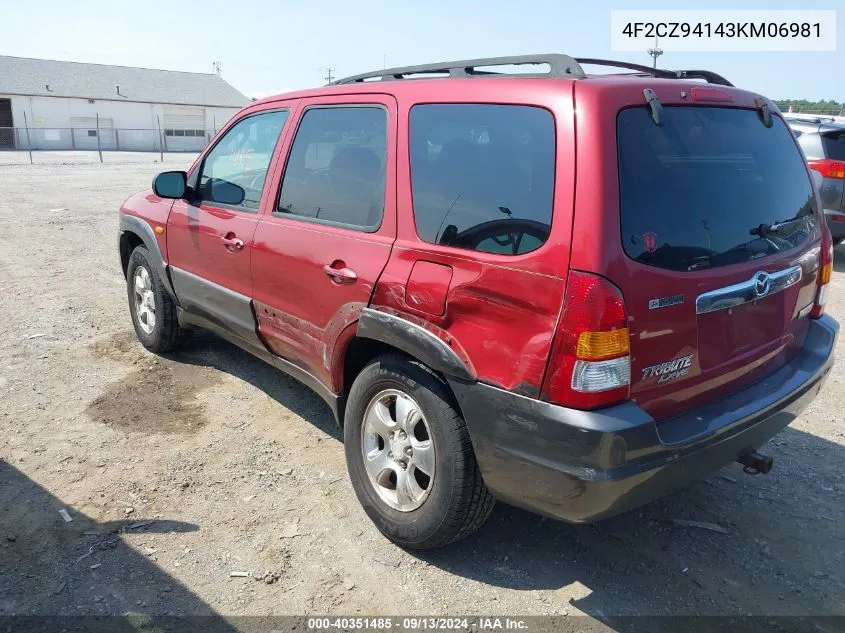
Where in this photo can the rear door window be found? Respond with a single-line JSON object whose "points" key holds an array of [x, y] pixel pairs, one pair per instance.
{"points": [[336, 170], [709, 187], [483, 176]]}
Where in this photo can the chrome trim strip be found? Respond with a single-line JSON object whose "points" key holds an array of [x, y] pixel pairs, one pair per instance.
{"points": [[761, 285]]}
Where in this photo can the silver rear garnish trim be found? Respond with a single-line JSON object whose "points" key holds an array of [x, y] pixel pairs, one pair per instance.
{"points": [[762, 284]]}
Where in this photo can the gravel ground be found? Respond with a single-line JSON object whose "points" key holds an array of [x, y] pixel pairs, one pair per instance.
{"points": [[241, 469]]}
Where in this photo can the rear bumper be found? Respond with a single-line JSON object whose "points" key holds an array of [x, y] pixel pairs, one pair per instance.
{"points": [[582, 466]]}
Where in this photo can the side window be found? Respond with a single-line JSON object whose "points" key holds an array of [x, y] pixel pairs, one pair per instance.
{"points": [[482, 176], [234, 170], [335, 171]]}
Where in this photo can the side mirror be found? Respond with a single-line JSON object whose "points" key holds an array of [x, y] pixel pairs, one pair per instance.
{"points": [[224, 192], [171, 184]]}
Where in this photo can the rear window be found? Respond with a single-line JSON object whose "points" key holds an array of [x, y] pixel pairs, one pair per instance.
{"points": [[709, 187], [483, 176], [834, 145]]}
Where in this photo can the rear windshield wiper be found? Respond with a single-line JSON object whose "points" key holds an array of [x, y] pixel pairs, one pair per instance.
{"points": [[700, 263], [770, 229]]}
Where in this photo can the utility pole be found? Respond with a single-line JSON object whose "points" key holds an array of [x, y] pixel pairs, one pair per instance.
{"points": [[218, 68], [329, 77], [655, 52]]}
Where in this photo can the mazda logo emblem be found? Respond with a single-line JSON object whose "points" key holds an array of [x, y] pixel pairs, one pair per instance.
{"points": [[761, 284]]}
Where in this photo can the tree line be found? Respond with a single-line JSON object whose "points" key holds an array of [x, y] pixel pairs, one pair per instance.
{"points": [[825, 106]]}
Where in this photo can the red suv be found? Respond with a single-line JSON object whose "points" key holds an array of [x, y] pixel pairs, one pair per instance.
{"points": [[574, 293]]}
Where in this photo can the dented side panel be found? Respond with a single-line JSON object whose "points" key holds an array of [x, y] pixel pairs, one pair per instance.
{"points": [[501, 334]]}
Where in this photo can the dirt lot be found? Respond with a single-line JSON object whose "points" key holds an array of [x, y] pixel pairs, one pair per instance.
{"points": [[242, 469]]}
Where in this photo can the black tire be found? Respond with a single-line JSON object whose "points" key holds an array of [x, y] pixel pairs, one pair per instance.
{"points": [[458, 502], [838, 240], [166, 334]]}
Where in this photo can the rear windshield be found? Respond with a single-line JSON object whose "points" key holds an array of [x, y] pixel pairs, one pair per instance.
{"points": [[834, 145], [709, 187]]}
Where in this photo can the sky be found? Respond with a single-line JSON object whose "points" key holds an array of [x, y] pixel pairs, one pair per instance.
{"points": [[267, 47]]}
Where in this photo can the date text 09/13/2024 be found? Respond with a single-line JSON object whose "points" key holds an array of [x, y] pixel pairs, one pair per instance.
{"points": [[417, 623]]}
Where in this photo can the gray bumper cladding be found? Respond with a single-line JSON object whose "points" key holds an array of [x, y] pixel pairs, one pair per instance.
{"points": [[582, 466]]}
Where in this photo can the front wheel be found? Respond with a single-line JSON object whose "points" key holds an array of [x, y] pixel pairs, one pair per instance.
{"points": [[152, 308], [410, 458]]}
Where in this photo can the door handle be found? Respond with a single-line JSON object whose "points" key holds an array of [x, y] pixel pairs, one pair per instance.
{"points": [[232, 243], [341, 275]]}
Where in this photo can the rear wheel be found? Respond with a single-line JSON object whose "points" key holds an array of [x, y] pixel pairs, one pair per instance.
{"points": [[152, 308], [410, 458], [838, 240]]}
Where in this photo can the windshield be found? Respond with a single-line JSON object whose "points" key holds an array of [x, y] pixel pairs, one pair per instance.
{"points": [[709, 187]]}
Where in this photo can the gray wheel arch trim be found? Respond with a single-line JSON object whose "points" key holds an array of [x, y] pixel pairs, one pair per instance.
{"points": [[137, 226], [414, 340]]}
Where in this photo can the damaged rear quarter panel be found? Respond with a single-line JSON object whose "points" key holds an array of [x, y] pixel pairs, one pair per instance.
{"points": [[499, 320]]}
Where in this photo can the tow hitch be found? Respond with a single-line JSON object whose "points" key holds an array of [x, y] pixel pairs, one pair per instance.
{"points": [[754, 463]]}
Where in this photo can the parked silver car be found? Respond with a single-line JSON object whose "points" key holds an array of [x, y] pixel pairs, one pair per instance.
{"points": [[823, 141]]}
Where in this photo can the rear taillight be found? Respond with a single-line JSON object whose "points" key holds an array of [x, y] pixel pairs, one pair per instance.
{"points": [[825, 268], [829, 168], [590, 366]]}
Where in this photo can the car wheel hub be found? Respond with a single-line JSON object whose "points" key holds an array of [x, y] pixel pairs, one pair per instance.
{"points": [[144, 300], [398, 450]]}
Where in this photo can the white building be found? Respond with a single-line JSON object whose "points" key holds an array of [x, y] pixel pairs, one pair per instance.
{"points": [[69, 105]]}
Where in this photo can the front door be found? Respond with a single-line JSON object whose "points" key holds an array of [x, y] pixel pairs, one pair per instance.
{"points": [[320, 250], [209, 238]]}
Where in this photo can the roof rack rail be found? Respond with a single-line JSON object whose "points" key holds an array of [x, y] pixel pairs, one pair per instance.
{"points": [[559, 66], [706, 75]]}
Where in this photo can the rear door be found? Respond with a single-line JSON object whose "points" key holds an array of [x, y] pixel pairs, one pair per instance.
{"points": [[328, 234], [719, 250]]}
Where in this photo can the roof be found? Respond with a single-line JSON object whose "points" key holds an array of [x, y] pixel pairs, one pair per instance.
{"points": [[520, 89], [26, 76], [453, 76]]}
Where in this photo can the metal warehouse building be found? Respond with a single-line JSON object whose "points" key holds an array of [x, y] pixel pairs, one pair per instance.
{"points": [[54, 105]]}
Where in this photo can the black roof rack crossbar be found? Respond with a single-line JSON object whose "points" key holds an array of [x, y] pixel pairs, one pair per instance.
{"points": [[706, 75], [646, 70], [559, 66]]}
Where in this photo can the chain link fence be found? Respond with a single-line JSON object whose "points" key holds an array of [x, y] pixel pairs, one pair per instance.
{"points": [[104, 139]]}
